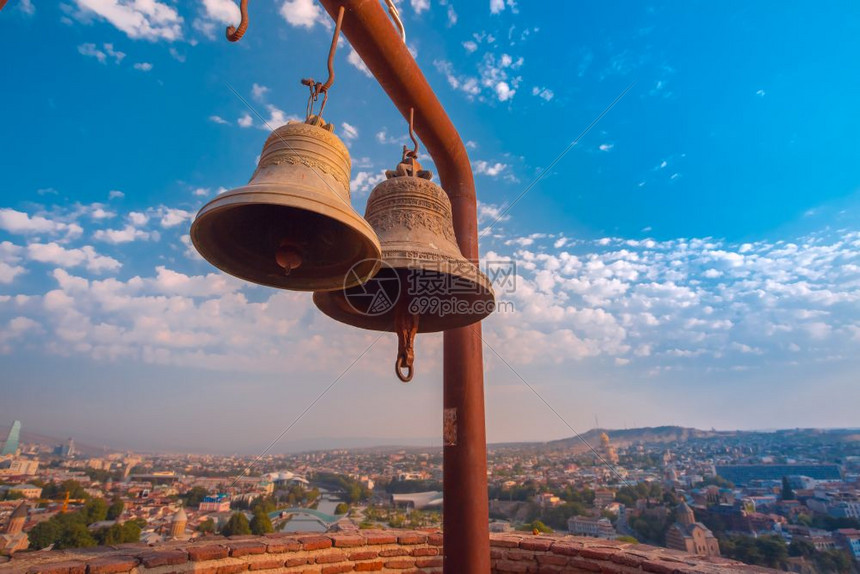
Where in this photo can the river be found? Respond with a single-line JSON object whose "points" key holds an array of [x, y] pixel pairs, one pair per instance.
{"points": [[304, 523]]}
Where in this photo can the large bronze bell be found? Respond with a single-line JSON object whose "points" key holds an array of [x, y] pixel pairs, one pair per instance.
{"points": [[425, 284], [292, 226]]}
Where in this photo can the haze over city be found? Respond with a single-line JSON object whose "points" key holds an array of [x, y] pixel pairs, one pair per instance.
{"points": [[692, 260]]}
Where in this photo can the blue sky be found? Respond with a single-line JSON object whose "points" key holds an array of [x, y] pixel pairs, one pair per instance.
{"points": [[692, 260]]}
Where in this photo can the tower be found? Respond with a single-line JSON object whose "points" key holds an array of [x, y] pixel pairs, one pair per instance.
{"points": [[177, 526], [11, 445], [685, 514], [17, 520]]}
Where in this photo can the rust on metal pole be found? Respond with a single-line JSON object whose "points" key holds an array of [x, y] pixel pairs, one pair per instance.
{"points": [[466, 514]]}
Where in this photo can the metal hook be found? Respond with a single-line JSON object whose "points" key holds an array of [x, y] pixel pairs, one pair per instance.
{"points": [[330, 81], [406, 325], [414, 153], [317, 88], [235, 34]]}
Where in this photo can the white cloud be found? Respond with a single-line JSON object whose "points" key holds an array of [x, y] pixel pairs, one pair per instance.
{"points": [[259, 92], [26, 6], [102, 56], [139, 19], [127, 234], [171, 217], [498, 6], [605, 147], [365, 181], [245, 120], [761, 93], [350, 132], [55, 254], [354, 59], [218, 120], [115, 194], [496, 169], [452, 16], [143, 66], [18, 222], [303, 13], [543, 93], [470, 46], [420, 5], [202, 192]]}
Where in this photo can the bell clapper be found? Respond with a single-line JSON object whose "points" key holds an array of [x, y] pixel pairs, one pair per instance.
{"points": [[288, 256], [406, 326]]}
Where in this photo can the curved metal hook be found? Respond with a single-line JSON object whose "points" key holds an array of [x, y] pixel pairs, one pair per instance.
{"points": [[413, 153], [235, 34], [328, 83]]}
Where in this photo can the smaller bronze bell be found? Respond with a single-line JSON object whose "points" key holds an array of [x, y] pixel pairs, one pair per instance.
{"points": [[292, 226], [424, 284]]}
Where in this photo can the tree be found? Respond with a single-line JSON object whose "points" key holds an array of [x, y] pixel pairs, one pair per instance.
{"points": [[207, 526], [95, 510], [800, 547], [76, 536], [238, 524], [115, 509], [787, 492], [44, 534], [195, 496], [119, 533], [536, 525], [341, 508], [260, 523]]}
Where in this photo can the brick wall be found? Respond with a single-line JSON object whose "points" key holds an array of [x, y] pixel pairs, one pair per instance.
{"points": [[365, 551]]}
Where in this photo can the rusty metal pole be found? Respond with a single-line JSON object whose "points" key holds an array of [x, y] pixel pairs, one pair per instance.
{"points": [[466, 514]]}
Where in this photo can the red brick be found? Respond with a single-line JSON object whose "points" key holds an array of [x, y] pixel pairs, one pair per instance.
{"points": [[506, 542], [551, 569], [626, 559], [163, 558], [379, 537], [346, 540], [393, 552], [425, 551], [551, 559], [520, 555], [315, 542], [295, 562], [232, 568], [513, 566], [270, 564], [541, 544], [597, 553], [281, 545], [400, 563], [363, 554], [566, 548], [369, 566], [65, 567], [658, 566], [207, 552], [246, 548], [336, 569], [412, 538], [112, 565], [435, 562], [331, 557], [435, 539], [584, 565]]}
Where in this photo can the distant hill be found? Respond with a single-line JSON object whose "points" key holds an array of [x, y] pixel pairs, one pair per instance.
{"points": [[28, 437], [622, 438]]}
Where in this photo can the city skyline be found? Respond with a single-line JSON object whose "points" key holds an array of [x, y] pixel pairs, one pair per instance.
{"points": [[692, 260]]}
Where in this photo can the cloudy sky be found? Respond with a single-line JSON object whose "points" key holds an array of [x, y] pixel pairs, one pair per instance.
{"points": [[692, 260]]}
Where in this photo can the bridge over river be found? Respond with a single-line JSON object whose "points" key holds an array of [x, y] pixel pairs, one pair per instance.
{"points": [[323, 518]]}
